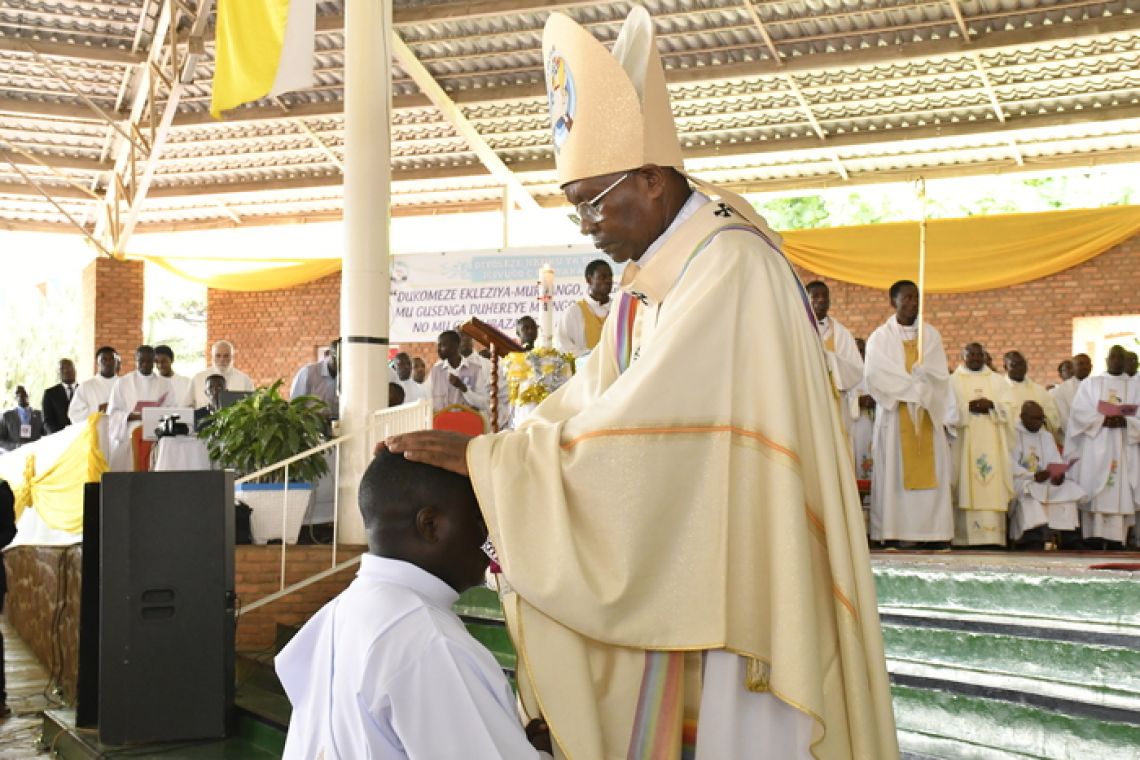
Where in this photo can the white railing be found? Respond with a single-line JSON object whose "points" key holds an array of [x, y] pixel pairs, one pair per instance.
{"points": [[383, 423]]}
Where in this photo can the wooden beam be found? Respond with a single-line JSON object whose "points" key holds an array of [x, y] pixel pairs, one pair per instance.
{"points": [[27, 191], [462, 125], [50, 110]]}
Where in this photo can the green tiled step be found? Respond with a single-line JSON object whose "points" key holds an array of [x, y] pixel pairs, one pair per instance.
{"points": [[933, 723], [1094, 674]]}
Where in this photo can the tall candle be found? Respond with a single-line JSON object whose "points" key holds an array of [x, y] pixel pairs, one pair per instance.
{"points": [[546, 299]]}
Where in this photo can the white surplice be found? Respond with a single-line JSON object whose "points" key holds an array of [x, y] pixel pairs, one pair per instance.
{"points": [[843, 359], [860, 429], [130, 390], [88, 397], [898, 514], [182, 389], [1109, 466], [1063, 396], [1036, 504], [387, 671]]}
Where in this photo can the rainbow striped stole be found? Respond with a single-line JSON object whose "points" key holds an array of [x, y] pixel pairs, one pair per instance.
{"points": [[623, 345], [660, 729]]}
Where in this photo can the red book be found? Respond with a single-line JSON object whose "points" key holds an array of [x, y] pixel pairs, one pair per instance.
{"points": [[1059, 468], [1109, 409]]}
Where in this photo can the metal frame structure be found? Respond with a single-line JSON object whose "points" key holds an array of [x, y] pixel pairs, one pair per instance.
{"points": [[104, 122]]}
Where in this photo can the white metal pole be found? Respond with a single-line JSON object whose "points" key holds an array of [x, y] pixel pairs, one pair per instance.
{"points": [[364, 277]]}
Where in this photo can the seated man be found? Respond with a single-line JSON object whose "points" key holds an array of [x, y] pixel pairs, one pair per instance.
{"points": [[215, 384], [1041, 502], [387, 669]]}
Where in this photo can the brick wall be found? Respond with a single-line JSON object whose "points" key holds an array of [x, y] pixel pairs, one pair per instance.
{"points": [[1035, 318], [279, 328], [257, 574], [275, 332], [112, 311]]}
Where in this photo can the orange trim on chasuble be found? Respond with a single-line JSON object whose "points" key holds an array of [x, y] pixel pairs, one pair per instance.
{"points": [[696, 429]]}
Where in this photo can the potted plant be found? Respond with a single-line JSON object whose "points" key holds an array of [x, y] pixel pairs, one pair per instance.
{"points": [[259, 431]]}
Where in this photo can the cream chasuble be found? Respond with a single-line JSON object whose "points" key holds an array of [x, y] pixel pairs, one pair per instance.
{"points": [[641, 513], [1027, 390], [982, 483], [908, 501], [1109, 466]]}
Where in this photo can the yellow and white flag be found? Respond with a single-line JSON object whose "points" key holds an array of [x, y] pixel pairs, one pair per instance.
{"points": [[262, 48]]}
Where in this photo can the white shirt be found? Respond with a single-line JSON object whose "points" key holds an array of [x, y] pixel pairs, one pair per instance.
{"points": [[387, 671], [570, 337], [413, 391], [442, 393], [88, 397], [236, 380], [183, 388]]}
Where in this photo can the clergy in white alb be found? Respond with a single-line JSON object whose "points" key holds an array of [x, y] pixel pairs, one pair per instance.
{"points": [[92, 394], [387, 670], [454, 380], [1020, 388], [1040, 499], [910, 493], [843, 358], [982, 485], [132, 392], [1064, 393], [580, 326], [222, 358], [683, 551], [182, 387], [1109, 450]]}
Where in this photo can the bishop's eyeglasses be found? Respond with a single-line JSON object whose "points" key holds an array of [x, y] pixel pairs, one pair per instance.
{"points": [[590, 210]]}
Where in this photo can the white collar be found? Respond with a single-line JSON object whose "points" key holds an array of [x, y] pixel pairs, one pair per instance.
{"points": [[398, 572], [692, 205]]}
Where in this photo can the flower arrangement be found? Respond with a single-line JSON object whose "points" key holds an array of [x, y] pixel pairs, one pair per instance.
{"points": [[535, 374]]}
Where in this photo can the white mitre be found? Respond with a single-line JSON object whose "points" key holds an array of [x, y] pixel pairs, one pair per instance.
{"points": [[610, 113]]}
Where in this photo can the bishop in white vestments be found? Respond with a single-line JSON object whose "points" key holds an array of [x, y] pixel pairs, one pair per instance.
{"points": [[685, 554]]}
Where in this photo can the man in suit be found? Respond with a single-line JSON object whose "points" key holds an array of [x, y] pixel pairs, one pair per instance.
{"points": [[57, 398], [22, 424]]}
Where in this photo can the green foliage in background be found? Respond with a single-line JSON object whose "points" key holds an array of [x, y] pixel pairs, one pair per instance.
{"points": [[263, 428], [40, 327]]}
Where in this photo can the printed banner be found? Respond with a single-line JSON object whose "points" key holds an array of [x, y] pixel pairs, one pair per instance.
{"points": [[433, 292]]}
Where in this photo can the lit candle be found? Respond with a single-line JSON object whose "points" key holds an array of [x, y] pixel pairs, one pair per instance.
{"points": [[546, 299]]}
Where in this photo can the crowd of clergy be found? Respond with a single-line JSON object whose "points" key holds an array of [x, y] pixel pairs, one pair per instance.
{"points": [[978, 457], [123, 396]]}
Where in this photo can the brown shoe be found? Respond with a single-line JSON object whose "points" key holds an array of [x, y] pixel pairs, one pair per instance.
{"points": [[5, 711]]}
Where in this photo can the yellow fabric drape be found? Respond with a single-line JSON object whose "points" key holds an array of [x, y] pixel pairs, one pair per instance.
{"points": [[53, 484], [963, 256], [249, 42], [248, 274]]}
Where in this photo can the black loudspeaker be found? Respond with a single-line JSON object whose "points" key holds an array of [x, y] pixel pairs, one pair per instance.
{"points": [[87, 688], [166, 643]]}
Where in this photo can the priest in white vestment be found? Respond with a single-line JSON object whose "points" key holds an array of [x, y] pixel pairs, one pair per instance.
{"points": [[910, 494], [982, 485], [222, 357], [181, 386], [683, 555], [1042, 499], [1106, 437], [132, 393], [1064, 394], [93, 393], [1020, 388], [580, 327], [387, 670], [844, 361]]}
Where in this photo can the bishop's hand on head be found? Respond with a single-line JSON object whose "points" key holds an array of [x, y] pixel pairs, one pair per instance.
{"points": [[440, 448]]}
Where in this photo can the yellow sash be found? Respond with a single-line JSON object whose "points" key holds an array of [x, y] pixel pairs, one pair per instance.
{"points": [[917, 447], [593, 324]]}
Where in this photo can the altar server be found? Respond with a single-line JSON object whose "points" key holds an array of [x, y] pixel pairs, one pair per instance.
{"points": [[387, 669], [910, 494], [580, 328], [678, 541], [843, 358]]}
